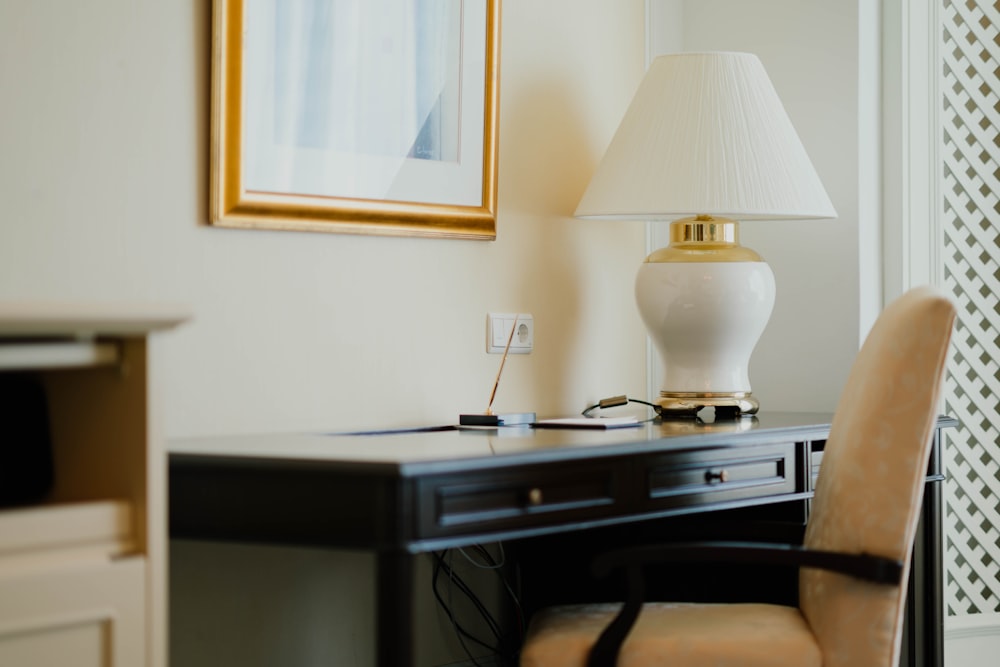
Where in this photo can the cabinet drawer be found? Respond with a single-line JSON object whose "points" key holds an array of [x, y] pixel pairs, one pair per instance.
{"points": [[721, 475], [98, 529], [90, 613], [510, 499]]}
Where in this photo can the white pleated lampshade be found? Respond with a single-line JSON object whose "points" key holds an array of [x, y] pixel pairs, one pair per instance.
{"points": [[706, 134]]}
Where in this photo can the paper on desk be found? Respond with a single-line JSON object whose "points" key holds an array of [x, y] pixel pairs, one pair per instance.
{"points": [[587, 422]]}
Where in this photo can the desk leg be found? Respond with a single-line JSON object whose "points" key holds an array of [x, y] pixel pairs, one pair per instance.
{"points": [[923, 628], [930, 580], [394, 609]]}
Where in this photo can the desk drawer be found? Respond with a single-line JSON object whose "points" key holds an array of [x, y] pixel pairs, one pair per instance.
{"points": [[721, 475], [512, 498], [815, 459]]}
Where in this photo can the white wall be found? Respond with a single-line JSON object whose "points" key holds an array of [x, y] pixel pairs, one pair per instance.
{"points": [[103, 179], [103, 184]]}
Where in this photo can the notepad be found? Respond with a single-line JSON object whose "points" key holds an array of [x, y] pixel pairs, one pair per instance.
{"points": [[588, 422]]}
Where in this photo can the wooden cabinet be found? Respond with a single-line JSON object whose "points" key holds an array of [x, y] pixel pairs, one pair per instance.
{"points": [[83, 565]]}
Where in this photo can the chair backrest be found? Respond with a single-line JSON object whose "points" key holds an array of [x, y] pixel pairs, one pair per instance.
{"points": [[870, 487]]}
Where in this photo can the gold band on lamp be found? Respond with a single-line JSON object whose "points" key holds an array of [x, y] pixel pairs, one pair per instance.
{"points": [[704, 238], [683, 404], [704, 229]]}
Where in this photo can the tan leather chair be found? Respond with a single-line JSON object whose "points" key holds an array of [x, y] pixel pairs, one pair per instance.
{"points": [[855, 558]]}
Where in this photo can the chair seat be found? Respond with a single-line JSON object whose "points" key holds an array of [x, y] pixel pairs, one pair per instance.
{"points": [[677, 634]]}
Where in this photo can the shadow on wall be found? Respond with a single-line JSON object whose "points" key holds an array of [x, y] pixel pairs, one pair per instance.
{"points": [[235, 604], [266, 605], [548, 167]]}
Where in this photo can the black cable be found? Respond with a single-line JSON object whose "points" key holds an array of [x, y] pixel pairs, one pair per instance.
{"points": [[454, 579], [506, 646], [491, 563], [496, 566], [616, 401], [457, 580], [460, 631]]}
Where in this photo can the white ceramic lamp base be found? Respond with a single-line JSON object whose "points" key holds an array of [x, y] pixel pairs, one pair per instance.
{"points": [[705, 319]]}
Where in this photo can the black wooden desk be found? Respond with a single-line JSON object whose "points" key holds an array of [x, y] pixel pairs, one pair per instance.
{"points": [[403, 494]]}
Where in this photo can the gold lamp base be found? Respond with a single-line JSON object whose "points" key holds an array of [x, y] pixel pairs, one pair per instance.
{"points": [[688, 404]]}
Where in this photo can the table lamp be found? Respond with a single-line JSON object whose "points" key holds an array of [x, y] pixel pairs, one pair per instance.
{"points": [[704, 143]]}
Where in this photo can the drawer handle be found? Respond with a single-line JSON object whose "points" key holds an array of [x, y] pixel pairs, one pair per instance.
{"points": [[535, 496], [717, 475]]}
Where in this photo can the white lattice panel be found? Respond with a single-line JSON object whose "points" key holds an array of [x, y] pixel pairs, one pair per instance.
{"points": [[971, 157]]}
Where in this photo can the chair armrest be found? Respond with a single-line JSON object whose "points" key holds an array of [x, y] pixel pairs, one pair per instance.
{"points": [[876, 569]]}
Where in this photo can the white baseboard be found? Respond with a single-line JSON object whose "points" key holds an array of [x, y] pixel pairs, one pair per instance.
{"points": [[972, 641], [973, 625]]}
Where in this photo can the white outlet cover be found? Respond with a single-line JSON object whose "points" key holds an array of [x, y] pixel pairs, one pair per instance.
{"points": [[498, 327]]}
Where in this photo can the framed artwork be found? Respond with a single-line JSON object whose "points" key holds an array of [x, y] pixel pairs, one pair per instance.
{"points": [[356, 116]]}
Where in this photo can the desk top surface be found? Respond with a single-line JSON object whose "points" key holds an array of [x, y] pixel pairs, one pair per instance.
{"points": [[489, 446]]}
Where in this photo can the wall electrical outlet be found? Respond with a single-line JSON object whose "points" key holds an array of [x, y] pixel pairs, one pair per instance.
{"points": [[498, 326]]}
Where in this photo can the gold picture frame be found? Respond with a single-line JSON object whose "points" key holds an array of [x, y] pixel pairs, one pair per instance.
{"points": [[301, 179]]}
